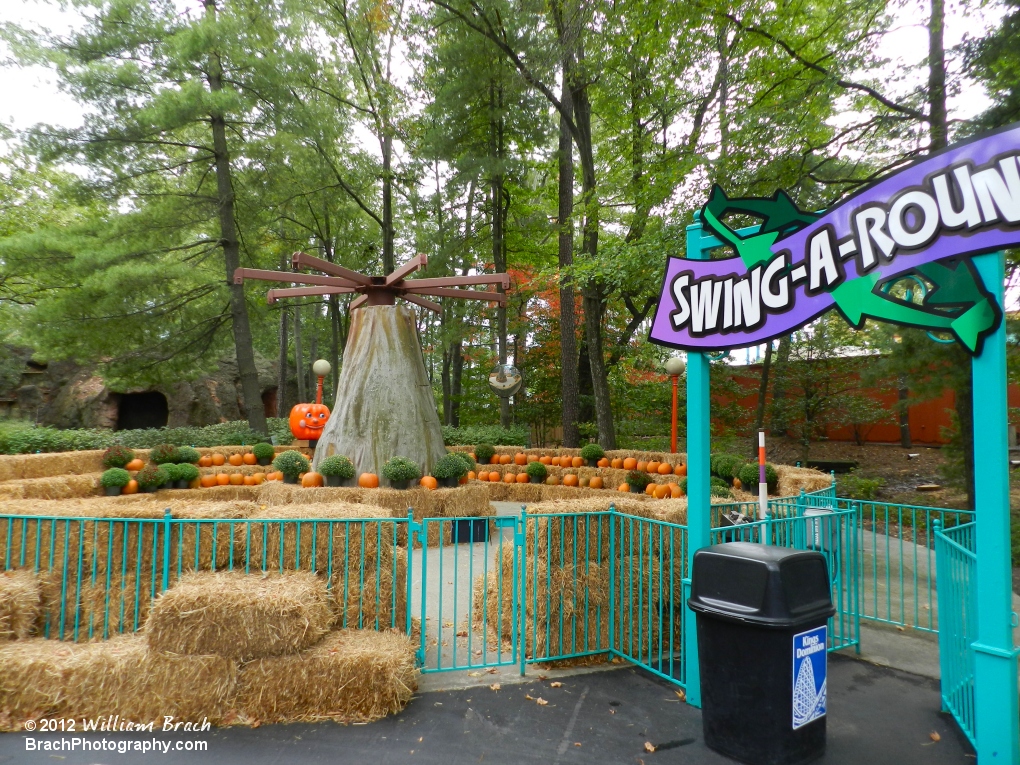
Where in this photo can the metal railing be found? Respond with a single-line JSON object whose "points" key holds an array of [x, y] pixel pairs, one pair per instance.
{"points": [[97, 576], [957, 569]]}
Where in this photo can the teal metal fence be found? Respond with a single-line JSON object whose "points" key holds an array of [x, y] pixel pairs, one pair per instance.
{"points": [[957, 570], [97, 576]]}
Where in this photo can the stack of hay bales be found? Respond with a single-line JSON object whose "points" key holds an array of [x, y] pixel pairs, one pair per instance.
{"points": [[222, 646], [567, 560], [360, 557], [19, 604]]}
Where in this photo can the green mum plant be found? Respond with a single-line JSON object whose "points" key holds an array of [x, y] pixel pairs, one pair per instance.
{"points": [[163, 454], [401, 469], [536, 470], [186, 455], [264, 451], [484, 453], [114, 477], [638, 479], [592, 452], [152, 476], [291, 463], [450, 466], [337, 466], [117, 456]]}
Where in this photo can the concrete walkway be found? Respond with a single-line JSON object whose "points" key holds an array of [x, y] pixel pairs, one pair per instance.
{"points": [[628, 717]]}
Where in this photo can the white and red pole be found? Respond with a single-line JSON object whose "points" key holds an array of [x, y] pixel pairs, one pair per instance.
{"points": [[763, 489]]}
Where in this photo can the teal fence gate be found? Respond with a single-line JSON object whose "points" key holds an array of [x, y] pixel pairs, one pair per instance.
{"points": [[957, 569]]}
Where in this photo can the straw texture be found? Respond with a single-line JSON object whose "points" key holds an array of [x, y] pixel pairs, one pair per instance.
{"points": [[19, 604]]}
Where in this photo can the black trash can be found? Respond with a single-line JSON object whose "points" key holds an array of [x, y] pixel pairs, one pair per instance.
{"points": [[761, 615]]}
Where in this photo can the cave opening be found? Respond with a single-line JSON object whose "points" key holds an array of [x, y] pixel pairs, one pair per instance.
{"points": [[142, 410]]}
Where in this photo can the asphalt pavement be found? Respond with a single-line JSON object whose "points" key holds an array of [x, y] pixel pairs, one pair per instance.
{"points": [[876, 715]]}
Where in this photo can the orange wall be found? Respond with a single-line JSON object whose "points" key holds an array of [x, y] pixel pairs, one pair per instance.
{"points": [[927, 419]]}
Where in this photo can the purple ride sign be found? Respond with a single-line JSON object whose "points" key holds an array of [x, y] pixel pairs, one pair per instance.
{"points": [[962, 201]]}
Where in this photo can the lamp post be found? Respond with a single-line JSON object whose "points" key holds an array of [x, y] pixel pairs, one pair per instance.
{"points": [[675, 367], [320, 369]]}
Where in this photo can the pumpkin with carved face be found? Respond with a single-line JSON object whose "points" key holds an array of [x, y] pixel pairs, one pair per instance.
{"points": [[308, 420]]}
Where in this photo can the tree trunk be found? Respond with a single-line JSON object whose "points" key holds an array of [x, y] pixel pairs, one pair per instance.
{"points": [[389, 259], [937, 113], [281, 387], [251, 391], [456, 382], [313, 354], [904, 414], [299, 361], [568, 321], [763, 392], [965, 415], [778, 422], [498, 248], [384, 404], [334, 341]]}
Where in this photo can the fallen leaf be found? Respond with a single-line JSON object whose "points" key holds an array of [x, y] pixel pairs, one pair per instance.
{"points": [[529, 697], [462, 633], [543, 677], [474, 674], [934, 736], [577, 743], [494, 687], [612, 711], [447, 624], [492, 671], [681, 695], [541, 702], [649, 746], [555, 685], [420, 739]]}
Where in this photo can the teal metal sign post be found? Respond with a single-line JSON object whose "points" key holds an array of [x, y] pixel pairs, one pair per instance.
{"points": [[997, 718]]}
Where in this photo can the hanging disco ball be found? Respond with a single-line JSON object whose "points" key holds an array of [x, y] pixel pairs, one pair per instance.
{"points": [[505, 380]]}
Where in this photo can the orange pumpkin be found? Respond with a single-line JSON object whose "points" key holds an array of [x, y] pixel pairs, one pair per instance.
{"points": [[259, 478], [505, 459], [472, 475], [483, 475], [276, 475], [596, 482], [545, 459], [308, 420], [236, 460], [429, 482], [473, 457], [311, 479], [623, 487], [218, 459], [665, 469], [494, 477], [494, 459], [130, 488], [207, 481], [205, 461], [368, 481], [650, 489], [249, 459], [616, 464], [522, 478], [681, 470], [661, 491], [603, 463], [222, 479], [554, 461], [520, 458], [509, 478], [584, 482], [642, 466], [135, 464], [630, 464], [236, 479], [737, 484], [653, 466], [576, 462], [675, 490], [570, 479], [249, 480], [552, 481]]}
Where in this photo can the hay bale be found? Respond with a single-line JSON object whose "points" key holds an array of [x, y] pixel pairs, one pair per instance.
{"points": [[274, 493], [113, 603], [341, 541], [62, 463], [793, 479], [19, 604], [373, 598], [56, 487], [239, 616], [351, 676], [45, 678]]}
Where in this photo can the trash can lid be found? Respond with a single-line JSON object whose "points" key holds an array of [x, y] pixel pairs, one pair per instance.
{"points": [[761, 584]]}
